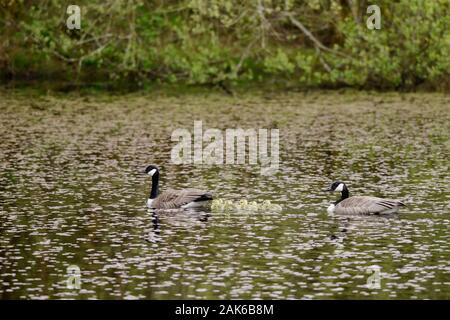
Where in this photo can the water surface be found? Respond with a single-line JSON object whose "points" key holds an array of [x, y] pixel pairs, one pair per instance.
{"points": [[71, 194]]}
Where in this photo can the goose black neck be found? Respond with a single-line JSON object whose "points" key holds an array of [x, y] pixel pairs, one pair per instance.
{"points": [[344, 194], [155, 184]]}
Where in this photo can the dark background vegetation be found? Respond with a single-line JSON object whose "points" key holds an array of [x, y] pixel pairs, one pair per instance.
{"points": [[316, 43]]}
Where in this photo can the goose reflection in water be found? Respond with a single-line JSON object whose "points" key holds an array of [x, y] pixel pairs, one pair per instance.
{"points": [[186, 219]]}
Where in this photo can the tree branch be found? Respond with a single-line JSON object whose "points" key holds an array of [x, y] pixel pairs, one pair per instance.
{"points": [[311, 37]]}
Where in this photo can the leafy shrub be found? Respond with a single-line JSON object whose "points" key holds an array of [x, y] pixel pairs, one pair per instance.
{"points": [[314, 43]]}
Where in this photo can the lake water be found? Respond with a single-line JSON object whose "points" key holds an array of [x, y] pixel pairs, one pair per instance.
{"points": [[71, 194]]}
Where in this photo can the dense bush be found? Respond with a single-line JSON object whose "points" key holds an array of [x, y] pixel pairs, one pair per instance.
{"points": [[313, 43]]}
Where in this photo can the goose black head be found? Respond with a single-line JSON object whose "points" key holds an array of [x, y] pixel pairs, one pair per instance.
{"points": [[151, 170], [337, 186]]}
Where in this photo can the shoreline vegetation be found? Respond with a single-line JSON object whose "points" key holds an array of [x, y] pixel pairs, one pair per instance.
{"points": [[201, 97], [58, 90], [317, 44]]}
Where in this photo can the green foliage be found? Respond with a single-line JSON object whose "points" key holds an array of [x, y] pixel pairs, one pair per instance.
{"points": [[412, 46], [279, 63], [200, 41]]}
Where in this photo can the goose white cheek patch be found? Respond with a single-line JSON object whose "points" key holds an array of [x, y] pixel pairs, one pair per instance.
{"points": [[151, 172], [340, 187]]}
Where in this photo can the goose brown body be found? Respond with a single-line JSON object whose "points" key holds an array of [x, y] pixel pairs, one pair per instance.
{"points": [[174, 199], [367, 205]]}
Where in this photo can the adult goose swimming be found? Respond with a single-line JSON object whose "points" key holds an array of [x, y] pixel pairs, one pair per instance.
{"points": [[360, 204], [174, 199]]}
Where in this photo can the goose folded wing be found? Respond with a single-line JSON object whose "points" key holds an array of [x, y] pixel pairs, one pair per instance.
{"points": [[172, 199], [367, 205]]}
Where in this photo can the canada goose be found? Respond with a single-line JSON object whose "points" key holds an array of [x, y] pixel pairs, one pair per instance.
{"points": [[217, 205], [360, 204], [220, 205], [252, 206], [244, 205], [267, 205], [228, 205], [174, 199]]}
